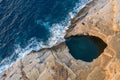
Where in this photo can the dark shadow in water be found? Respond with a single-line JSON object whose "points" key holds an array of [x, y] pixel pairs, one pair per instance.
{"points": [[85, 48]]}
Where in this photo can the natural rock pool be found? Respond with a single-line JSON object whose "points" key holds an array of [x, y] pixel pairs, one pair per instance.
{"points": [[85, 48]]}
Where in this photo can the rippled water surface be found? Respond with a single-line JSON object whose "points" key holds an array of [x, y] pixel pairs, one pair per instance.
{"points": [[27, 25]]}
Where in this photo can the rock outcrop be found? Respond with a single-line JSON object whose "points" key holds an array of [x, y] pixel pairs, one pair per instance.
{"points": [[100, 18]]}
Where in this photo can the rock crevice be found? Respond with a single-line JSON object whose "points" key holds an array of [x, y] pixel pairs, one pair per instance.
{"points": [[99, 18]]}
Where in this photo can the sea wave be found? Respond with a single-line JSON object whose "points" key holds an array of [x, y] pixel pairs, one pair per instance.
{"points": [[57, 36]]}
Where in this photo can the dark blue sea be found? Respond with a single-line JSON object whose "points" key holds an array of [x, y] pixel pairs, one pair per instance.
{"points": [[27, 25]]}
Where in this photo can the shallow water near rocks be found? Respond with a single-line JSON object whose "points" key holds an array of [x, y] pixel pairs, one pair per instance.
{"points": [[85, 48]]}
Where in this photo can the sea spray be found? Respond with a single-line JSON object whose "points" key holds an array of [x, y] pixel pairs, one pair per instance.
{"points": [[57, 31]]}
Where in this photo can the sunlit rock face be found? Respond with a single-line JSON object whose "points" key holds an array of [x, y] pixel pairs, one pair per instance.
{"points": [[85, 48], [100, 19]]}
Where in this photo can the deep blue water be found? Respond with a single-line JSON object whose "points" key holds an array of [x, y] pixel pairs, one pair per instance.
{"points": [[85, 48], [26, 23]]}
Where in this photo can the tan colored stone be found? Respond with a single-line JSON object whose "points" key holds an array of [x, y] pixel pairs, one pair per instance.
{"points": [[100, 18]]}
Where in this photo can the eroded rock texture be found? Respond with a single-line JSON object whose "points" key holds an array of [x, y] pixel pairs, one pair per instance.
{"points": [[100, 18]]}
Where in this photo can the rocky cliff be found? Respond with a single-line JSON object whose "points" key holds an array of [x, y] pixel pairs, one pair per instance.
{"points": [[99, 18]]}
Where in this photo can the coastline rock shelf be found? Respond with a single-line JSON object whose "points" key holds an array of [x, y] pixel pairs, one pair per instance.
{"points": [[99, 19], [85, 48]]}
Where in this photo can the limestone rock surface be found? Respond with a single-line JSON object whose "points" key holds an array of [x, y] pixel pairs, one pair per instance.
{"points": [[100, 18]]}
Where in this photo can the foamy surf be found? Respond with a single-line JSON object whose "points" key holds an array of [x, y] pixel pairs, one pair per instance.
{"points": [[57, 31]]}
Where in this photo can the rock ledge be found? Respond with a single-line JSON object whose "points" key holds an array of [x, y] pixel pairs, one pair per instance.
{"points": [[100, 18]]}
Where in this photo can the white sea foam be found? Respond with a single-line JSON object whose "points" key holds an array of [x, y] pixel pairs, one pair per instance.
{"points": [[57, 36]]}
